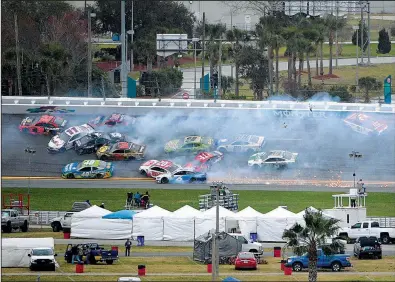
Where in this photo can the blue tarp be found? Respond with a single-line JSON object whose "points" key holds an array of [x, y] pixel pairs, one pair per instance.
{"points": [[231, 279], [124, 214]]}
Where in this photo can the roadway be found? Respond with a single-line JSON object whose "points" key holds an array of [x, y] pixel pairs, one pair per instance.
{"points": [[323, 146]]}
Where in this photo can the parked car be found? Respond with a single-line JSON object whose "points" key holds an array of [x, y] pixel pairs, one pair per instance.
{"points": [[368, 228], [42, 258], [247, 245], [12, 219], [335, 262], [368, 247], [246, 260], [93, 253]]}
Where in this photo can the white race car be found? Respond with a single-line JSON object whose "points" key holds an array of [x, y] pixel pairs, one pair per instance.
{"points": [[274, 158], [66, 140], [242, 144], [153, 168]]}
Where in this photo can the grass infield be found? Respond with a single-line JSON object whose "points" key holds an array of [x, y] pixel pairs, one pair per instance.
{"points": [[378, 204]]}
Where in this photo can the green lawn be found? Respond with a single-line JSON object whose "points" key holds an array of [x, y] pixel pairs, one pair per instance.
{"points": [[379, 204]]}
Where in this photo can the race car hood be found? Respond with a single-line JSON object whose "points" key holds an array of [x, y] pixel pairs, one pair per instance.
{"points": [[70, 167], [116, 136], [172, 145], [56, 142], [223, 142], [103, 149]]}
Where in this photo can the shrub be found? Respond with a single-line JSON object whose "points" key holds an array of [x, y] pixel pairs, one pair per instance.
{"points": [[341, 92], [140, 90], [384, 46], [392, 30]]}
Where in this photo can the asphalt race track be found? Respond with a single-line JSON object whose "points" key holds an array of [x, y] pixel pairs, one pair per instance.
{"points": [[323, 156]]}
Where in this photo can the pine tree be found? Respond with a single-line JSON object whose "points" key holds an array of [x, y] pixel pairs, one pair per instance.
{"points": [[362, 30], [384, 46]]}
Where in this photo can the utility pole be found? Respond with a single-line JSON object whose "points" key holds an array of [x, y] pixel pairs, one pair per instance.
{"points": [[195, 40], [362, 30], [203, 43], [123, 44], [368, 32], [89, 53], [31, 152], [337, 44], [356, 28], [220, 68], [131, 40], [18, 59]]}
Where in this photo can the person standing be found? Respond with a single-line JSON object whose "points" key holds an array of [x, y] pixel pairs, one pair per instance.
{"points": [[80, 253], [128, 246], [74, 253]]}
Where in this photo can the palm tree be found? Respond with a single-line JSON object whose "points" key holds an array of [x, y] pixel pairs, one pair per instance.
{"points": [[333, 24], [313, 234], [319, 25], [236, 36]]}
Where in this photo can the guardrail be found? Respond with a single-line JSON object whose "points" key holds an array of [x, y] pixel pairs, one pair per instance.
{"points": [[82, 105]]}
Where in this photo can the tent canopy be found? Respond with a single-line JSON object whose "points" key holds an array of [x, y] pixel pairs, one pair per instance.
{"points": [[186, 212], [211, 213], [249, 212], [123, 214], [231, 279], [92, 212], [279, 212], [153, 212]]}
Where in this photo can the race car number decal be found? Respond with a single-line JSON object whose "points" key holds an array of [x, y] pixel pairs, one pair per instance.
{"points": [[86, 173], [90, 162], [164, 164]]}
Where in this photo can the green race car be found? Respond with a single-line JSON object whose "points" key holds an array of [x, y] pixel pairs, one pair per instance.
{"points": [[190, 144]]}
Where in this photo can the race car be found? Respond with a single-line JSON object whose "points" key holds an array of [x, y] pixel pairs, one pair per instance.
{"points": [[190, 144], [204, 161], [113, 120], [182, 176], [88, 169], [242, 144], [66, 140], [153, 168], [45, 124], [92, 142], [121, 151], [365, 124], [274, 158]]}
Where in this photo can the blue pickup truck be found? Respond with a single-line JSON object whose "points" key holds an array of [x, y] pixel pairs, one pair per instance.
{"points": [[334, 262], [92, 253]]}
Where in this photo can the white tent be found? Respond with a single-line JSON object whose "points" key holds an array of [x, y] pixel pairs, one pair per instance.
{"points": [[14, 251], [180, 225], [150, 223], [271, 226], [247, 219], [206, 220]]}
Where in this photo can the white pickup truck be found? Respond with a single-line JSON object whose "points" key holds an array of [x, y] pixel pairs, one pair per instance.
{"points": [[368, 228], [61, 222], [248, 246]]}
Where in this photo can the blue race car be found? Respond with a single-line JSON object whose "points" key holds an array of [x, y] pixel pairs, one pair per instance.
{"points": [[182, 176], [88, 169]]}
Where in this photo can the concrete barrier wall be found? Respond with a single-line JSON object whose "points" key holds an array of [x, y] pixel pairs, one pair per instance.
{"points": [[81, 106]]}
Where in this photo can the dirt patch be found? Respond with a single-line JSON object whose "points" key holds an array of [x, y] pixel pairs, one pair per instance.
{"points": [[325, 76]]}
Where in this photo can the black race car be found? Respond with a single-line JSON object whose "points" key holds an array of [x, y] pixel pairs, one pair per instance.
{"points": [[92, 142]]}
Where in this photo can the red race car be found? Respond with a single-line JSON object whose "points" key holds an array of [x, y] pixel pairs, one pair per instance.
{"points": [[153, 168], [246, 260], [204, 161], [46, 124], [112, 120], [365, 124]]}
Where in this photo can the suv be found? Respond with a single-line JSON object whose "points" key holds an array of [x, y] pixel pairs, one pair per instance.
{"points": [[367, 246], [42, 258], [248, 246], [12, 219]]}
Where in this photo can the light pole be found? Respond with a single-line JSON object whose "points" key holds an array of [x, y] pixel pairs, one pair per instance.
{"points": [[31, 152], [123, 49], [355, 155], [131, 32], [215, 249], [356, 27], [90, 16], [194, 40]]}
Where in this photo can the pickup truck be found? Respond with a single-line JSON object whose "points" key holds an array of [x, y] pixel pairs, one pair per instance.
{"points": [[248, 246], [12, 219], [367, 229], [92, 253], [334, 262], [61, 222], [42, 258]]}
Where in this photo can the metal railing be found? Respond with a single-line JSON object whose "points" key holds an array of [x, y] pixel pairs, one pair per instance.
{"points": [[383, 221], [44, 217]]}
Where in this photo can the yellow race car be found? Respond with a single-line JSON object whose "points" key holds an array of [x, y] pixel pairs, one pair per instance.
{"points": [[121, 151]]}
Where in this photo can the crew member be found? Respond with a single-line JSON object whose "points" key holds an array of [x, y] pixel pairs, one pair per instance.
{"points": [[128, 246]]}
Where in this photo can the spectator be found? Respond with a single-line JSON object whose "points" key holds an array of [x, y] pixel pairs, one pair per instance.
{"points": [[129, 198], [80, 253], [128, 246], [361, 188], [137, 198], [88, 202], [102, 205], [74, 253], [145, 198]]}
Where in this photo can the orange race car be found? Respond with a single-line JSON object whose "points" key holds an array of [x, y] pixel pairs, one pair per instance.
{"points": [[46, 124]]}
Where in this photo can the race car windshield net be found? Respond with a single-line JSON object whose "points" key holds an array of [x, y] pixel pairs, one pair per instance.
{"points": [[43, 252]]}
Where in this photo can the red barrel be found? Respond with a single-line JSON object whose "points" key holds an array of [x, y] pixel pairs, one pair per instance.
{"points": [[282, 265], [66, 235], [114, 248], [79, 268], [287, 270], [141, 270], [277, 252], [209, 268]]}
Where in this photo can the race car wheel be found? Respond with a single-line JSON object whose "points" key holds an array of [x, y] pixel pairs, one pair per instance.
{"points": [[25, 227], [164, 180], [104, 158], [143, 172], [70, 176], [192, 180], [99, 176], [80, 152], [25, 130]]}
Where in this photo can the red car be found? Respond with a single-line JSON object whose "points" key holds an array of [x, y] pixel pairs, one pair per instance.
{"points": [[204, 161], [112, 120], [46, 124], [246, 260], [365, 124], [153, 168]]}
